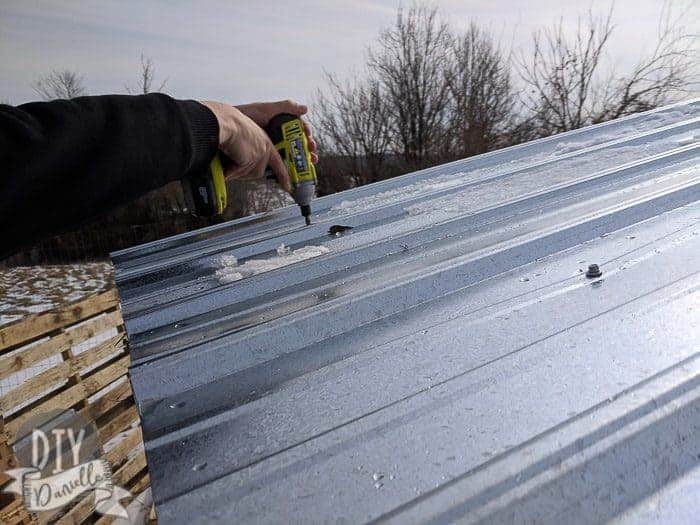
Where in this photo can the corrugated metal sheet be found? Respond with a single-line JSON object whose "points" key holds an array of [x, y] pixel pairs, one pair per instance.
{"points": [[447, 358]]}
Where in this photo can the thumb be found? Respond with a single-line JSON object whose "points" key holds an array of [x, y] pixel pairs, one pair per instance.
{"points": [[290, 106]]}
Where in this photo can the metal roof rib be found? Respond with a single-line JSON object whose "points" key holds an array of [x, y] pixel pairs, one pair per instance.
{"points": [[447, 359]]}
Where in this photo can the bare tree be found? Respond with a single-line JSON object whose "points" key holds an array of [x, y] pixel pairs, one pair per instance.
{"points": [[657, 79], [568, 85], [60, 84], [410, 64], [145, 83], [429, 95], [482, 97], [560, 77], [353, 121]]}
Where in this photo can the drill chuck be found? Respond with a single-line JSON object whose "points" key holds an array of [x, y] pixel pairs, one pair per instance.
{"points": [[303, 193]]}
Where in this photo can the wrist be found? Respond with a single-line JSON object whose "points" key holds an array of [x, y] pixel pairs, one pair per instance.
{"points": [[203, 129], [226, 117]]}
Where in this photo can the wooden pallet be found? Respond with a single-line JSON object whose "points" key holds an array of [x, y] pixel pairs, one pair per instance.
{"points": [[93, 383]]}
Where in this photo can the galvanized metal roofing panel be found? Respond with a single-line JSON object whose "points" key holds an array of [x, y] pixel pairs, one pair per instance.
{"points": [[446, 359]]}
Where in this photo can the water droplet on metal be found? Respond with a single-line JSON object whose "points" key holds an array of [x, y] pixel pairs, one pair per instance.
{"points": [[378, 485], [200, 466], [377, 476]]}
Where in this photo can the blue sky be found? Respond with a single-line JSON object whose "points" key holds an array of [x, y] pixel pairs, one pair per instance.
{"points": [[241, 51]]}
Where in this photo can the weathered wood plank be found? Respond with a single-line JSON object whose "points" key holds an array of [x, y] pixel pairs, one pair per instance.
{"points": [[73, 395], [84, 509], [136, 488], [24, 358], [101, 406], [110, 347], [130, 469], [16, 514], [35, 386], [62, 401], [78, 514], [113, 412], [118, 423], [96, 381], [140, 484], [26, 330], [118, 455], [8, 502]]}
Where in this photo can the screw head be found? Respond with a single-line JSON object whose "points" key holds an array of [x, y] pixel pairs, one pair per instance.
{"points": [[593, 271], [338, 229]]}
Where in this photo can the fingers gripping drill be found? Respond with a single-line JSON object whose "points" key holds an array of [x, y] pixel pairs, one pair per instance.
{"points": [[206, 192]]}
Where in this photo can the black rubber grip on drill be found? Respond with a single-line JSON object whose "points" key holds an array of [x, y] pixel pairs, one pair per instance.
{"points": [[274, 127]]}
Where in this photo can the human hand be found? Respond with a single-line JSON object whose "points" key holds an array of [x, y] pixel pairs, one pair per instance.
{"points": [[262, 112], [247, 145]]}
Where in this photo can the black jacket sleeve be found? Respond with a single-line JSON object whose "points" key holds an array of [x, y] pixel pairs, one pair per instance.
{"points": [[66, 161]]}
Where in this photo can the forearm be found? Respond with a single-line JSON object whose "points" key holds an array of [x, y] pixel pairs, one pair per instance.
{"points": [[64, 162]]}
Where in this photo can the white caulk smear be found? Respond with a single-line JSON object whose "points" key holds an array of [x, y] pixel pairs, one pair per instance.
{"points": [[231, 271]]}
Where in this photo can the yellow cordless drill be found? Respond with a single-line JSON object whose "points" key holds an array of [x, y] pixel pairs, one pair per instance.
{"points": [[206, 192]]}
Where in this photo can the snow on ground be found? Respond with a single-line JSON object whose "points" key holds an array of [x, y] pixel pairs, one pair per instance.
{"points": [[26, 290], [229, 269]]}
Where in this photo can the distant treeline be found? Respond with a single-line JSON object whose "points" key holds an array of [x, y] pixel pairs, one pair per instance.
{"points": [[430, 94]]}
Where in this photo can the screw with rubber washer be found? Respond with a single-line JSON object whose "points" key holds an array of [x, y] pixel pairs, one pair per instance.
{"points": [[593, 271]]}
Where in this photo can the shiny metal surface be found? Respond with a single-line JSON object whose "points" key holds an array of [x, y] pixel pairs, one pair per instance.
{"points": [[447, 359]]}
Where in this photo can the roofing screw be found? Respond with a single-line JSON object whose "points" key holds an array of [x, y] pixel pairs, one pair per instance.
{"points": [[338, 229], [593, 271]]}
